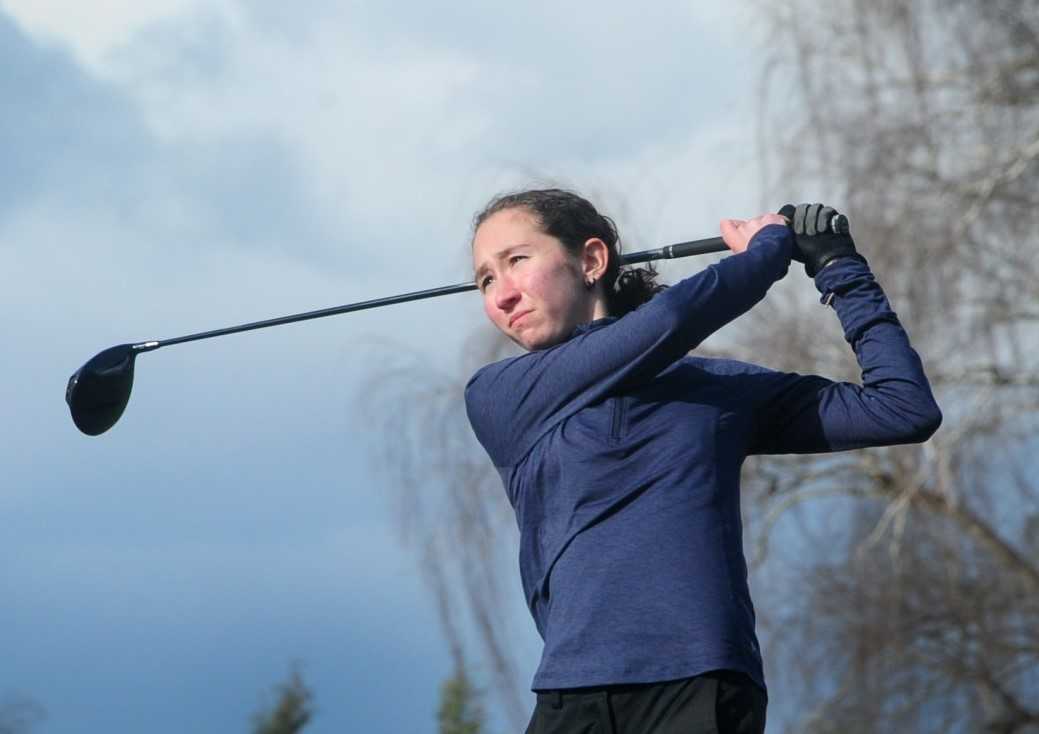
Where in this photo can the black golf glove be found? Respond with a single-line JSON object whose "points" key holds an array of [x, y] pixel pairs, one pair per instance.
{"points": [[816, 242]]}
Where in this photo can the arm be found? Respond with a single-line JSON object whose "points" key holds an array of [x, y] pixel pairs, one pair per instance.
{"points": [[513, 402], [810, 414]]}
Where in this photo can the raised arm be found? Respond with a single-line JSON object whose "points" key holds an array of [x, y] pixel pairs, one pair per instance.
{"points": [[513, 402], [811, 414]]}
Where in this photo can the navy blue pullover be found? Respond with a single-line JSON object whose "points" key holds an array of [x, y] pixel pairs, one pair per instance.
{"points": [[621, 456]]}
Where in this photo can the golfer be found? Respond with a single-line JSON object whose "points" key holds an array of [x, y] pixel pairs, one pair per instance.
{"points": [[621, 453]]}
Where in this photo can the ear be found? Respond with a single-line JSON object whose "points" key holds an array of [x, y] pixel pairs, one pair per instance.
{"points": [[594, 259]]}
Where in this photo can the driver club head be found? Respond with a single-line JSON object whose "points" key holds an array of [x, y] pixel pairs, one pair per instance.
{"points": [[98, 391]]}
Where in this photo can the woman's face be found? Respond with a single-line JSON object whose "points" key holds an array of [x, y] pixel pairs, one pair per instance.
{"points": [[533, 289]]}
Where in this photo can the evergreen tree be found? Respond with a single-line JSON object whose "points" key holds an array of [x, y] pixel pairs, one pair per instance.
{"points": [[460, 709], [19, 714], [292, 711]]}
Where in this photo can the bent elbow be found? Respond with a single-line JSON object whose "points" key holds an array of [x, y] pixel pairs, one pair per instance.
{"points": [[927, 424]]}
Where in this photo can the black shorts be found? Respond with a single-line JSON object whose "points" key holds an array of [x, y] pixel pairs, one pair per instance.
{"points": [[719, 702]]}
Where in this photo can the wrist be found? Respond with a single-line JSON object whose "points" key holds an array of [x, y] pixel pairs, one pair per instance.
{"points": [[770, 232], [827, 260], [848, 256]]}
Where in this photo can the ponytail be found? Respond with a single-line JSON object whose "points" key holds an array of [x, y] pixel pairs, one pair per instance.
{"points": [[632, 288]]}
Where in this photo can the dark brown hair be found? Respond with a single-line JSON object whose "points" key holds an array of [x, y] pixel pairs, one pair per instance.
{"points": [[573, 220]]}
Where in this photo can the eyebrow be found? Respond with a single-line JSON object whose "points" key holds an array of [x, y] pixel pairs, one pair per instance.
{"points": [[497, 256]]}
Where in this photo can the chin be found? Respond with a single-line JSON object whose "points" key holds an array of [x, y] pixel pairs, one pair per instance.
{"points": [[535, 342]]}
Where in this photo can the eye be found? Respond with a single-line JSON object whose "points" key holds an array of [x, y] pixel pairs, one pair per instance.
{"points": [[516, 258], [485, 281]]}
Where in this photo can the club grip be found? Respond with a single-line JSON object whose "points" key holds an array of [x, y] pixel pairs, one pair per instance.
{"points": [[838, 223], [696, 247]]}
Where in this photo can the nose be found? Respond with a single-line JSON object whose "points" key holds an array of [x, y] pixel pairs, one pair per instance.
{"points": [[506, 294]]}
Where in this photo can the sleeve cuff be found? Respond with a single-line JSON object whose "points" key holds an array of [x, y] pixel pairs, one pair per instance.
{"points": [[779, 234], [839, 275]]}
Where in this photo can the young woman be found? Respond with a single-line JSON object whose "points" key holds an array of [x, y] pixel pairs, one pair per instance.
{"points": [[621, 453]]}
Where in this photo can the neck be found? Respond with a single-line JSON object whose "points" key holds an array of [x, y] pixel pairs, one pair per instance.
{"points": [[598, 308]]}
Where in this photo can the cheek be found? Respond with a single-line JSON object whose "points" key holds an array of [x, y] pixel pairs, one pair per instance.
{"points": [[490, 310], [554, 289]]}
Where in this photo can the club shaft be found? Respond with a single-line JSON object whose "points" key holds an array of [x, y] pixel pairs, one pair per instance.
{"points": [[680, 249]]}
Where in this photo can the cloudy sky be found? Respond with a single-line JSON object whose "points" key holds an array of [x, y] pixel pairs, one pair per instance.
{"points": [[172, 166]]}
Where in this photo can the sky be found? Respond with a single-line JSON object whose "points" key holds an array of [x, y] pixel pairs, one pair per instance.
{"points": [[173, 166]]}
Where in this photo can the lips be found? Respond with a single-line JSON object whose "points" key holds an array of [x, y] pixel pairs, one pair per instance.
{"points": [[516, 318]]}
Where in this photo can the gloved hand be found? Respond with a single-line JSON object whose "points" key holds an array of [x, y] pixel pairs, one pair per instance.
{"points": [[816, 243]]}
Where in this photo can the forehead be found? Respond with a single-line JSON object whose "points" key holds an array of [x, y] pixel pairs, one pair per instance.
{"points": [[506, 224], [502, 230]]}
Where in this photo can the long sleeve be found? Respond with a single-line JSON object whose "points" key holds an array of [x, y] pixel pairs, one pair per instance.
{"points": [[513, 402], [810, 414]]}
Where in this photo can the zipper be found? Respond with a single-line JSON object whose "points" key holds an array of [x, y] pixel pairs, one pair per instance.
{"points": [[618, 418]]}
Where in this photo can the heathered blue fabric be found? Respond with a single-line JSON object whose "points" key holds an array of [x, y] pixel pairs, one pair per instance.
{"points": [[621, 455]]}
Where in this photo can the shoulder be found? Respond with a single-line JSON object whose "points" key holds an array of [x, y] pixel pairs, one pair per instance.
{"points": [[495, 382], [494, 374]]}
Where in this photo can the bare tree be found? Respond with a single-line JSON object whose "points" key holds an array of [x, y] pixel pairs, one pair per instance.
{"points": [[922, 117]]}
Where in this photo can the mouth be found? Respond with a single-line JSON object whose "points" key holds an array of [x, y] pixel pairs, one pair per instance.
{"points": [[516, 318]]}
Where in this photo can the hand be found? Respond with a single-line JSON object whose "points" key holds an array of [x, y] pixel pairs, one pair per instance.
{"points": [[738, 233], [815, 242]]}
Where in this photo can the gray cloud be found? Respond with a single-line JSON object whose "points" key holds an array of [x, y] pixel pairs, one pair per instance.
{"points": [[60, 130], [578, 80], [71, 139]]}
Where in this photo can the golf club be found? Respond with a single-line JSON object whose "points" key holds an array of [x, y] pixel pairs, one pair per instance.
{"points": [[97, 393]]}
